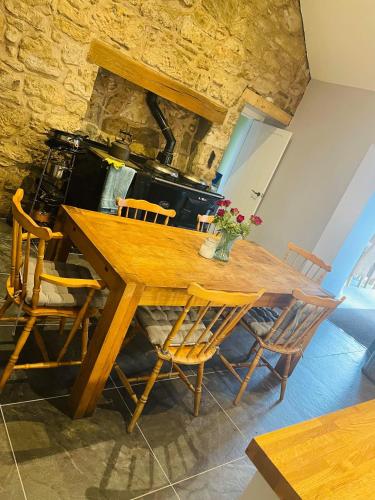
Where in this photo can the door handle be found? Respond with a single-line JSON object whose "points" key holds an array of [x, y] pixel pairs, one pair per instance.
{"points": [[257, 193]]}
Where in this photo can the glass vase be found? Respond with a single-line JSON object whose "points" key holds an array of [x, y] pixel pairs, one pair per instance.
{"points": [[225, 245]]}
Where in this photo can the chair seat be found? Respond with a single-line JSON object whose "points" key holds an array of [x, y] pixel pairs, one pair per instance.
{"points": [[159, 321], [260, 320], [60, 296]]}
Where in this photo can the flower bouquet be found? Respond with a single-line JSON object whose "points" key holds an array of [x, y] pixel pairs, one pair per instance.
{"points": [[231, 225]]}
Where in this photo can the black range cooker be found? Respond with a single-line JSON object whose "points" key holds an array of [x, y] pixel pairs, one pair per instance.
{"points": [[154, 182]]}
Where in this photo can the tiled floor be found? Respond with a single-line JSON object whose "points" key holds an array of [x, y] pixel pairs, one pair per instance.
{"points": [[46, 455]]}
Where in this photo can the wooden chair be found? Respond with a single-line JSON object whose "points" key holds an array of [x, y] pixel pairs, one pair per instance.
{"points": [[187, 336], [146, 206], [306, 262], [36, 286], [204, 223], [286, 334]]}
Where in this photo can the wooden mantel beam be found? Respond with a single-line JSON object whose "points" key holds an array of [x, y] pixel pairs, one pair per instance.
{"points": [[116, 61], [266, 107]]}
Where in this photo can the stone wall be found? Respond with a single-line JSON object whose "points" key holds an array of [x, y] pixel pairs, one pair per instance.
{"points": [[117, 104], [218, 47]]}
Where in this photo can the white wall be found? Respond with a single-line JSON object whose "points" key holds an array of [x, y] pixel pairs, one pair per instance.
{"points": [[349, 208], [332, 130], [340, 41]]}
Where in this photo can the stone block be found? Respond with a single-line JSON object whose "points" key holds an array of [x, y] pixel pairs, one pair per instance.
{"points": [[39, 55]]}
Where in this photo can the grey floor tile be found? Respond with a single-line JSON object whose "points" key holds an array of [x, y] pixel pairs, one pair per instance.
{"points": [[5, 249], [342, 375], [90, 458], [259, 411], [329, 339], [227, 482], [26, 385], [164, 494], [184, 444], [10, 485], [3, 290], [5, 230]]}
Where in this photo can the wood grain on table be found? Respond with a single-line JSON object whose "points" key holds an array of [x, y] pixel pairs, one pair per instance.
{"points": [[151, 264], [332, 456]]}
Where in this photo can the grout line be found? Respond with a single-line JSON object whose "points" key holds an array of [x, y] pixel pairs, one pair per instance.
{"points": [[209, 470], [13, 454], [148, 444], [226, 413], [48, 398], [154, 491]]}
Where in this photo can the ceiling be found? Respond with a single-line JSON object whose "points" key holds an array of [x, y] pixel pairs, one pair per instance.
{"points": [[340, 40]]}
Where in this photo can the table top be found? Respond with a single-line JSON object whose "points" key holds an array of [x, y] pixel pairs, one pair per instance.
{"points": [[332, 456], [165, 256]]}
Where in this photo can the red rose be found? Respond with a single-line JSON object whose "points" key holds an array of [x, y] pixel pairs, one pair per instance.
{"points": [[240, 218], [226, 203], [256, 220], [234, 211], [220, 212], [220, 203]]}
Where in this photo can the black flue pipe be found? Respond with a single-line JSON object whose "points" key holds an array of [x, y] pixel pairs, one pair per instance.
{"points": [[165, 156]]}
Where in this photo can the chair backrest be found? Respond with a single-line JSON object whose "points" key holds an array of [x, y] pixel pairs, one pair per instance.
{"points": [[197, 341], [204, 223], [306, 262], [133, 206], [299, 320], [24, 230]]}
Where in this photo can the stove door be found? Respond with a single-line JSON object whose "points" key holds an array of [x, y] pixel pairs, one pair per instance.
{"points": [[194, 205]]}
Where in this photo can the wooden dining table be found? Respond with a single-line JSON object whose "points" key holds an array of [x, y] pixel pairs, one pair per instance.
{"points": [[146, 264]]}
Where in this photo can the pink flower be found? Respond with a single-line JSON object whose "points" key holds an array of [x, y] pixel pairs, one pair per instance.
{"points": [[220, 212], [220, 203], [256, 220], [240, 218], [226, 203], [234, 211]]}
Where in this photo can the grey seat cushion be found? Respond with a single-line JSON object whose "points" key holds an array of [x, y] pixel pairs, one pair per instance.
{"points": [[59, 296], [261, 319], [159, 321]]}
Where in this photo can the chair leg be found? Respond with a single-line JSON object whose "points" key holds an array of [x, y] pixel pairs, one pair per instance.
{"points": [[125, 382], [62, 325], [5, 306], [85, 337], [143, 399], [284, 379], [198, 389], [14, 357], [40, 343], [252, 350], [247, 378]]}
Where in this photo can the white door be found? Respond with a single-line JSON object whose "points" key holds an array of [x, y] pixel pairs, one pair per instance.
{"points": [[255, 165]]}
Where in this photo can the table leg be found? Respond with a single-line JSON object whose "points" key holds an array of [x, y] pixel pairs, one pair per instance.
{"points": [[59, 249], [104, 348]]}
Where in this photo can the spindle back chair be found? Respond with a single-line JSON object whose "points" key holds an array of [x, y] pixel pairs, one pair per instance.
{"points": [[146, 207], [288, 335], [204, 223], [306, 262], [24, 287], [193, 337]]}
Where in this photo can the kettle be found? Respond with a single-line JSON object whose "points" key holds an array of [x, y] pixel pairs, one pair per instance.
{"points": [[120, 147]]}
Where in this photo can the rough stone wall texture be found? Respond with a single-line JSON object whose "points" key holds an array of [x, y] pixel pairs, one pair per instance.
{"points": [[218, 47], [117, 104]]}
